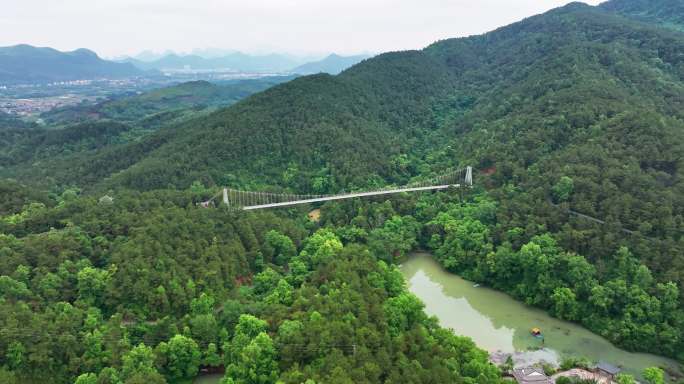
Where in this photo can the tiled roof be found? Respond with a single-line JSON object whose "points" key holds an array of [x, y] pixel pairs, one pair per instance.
{"points": [[606, 367], [530, 375]]}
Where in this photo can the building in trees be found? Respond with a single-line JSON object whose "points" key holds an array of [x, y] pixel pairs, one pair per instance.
{"points": [[530, 375], [607, 370]]}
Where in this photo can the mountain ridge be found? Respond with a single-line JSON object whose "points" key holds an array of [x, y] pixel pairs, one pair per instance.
{"points": [[24, 63], [235, 61], [239, 61], [332, 64]]}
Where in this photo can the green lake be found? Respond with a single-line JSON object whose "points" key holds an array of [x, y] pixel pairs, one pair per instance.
{"points": [[497, 322]]}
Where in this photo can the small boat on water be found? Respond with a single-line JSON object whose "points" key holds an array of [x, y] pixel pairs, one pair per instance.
{"points": [[536, 332]]}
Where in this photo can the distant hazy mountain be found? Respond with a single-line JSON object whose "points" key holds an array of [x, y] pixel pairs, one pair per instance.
{"points": [[28, 64], [211, 53], [150, 55], [332, 64], [236, 61]]}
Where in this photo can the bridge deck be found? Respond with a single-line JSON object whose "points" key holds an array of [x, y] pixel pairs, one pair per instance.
{"points": [[349, 196]]}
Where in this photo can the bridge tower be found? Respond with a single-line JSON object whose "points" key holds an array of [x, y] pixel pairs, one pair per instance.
{"points": [[225, 197], [469, 176]]}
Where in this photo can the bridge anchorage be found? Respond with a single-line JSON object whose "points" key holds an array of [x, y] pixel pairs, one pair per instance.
{"points": [[252, 200]]}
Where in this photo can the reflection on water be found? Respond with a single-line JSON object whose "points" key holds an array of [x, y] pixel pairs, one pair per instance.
{"points": [[496, 322]]}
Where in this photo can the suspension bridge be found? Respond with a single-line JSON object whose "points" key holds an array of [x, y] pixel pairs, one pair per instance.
{"points": [[252, 200]]}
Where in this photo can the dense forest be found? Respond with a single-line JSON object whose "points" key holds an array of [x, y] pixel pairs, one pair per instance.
{"points": [[148, 288], [566, 94], [572, 119]]}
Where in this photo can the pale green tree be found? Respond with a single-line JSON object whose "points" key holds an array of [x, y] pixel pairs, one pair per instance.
{"points": [[280, 247], [563, 189], [565, 303], [654, 375], [402, 312], [91, 284], [282, 294], [86, 378], [266, 281], [256, 364], [181, 357], [623, 378], [321, 247], [138, 361]]}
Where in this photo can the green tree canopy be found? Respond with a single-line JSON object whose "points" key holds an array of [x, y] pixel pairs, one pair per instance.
{"points": [[181, 357]]}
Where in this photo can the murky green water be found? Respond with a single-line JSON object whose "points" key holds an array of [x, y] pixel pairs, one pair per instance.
{"points": [[496, 322]]}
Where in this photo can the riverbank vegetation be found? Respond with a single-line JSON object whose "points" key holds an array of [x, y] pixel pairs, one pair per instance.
{"points": [[622, 301]]}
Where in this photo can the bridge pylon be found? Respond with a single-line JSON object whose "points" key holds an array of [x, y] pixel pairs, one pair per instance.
{"points": [[469, 176]]}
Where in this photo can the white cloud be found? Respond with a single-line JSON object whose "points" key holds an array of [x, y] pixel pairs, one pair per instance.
{"points": [[115, 27]]}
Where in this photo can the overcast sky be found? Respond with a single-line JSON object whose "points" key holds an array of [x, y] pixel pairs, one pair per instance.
{"points": [[120, 27]]}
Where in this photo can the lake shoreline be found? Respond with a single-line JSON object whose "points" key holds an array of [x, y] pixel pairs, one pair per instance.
{"points": [[499, 323]]}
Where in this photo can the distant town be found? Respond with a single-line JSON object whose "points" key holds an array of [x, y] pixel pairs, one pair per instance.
{"points": [[34, 106], [32, 99], [27, 100]]}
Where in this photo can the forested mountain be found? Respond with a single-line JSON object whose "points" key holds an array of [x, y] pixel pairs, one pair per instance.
{"points": [[332, 64], [568, 93], [74, 133], [576, 111], [341, 129], [247, 131], [27, 64], [669, 13]]}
